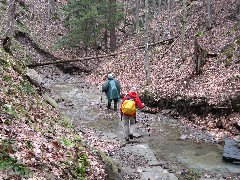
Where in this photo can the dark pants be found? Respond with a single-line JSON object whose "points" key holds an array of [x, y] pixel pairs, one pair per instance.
{"points": [[115, 103]]}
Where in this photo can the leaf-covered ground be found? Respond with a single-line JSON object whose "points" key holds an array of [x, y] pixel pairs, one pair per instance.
{"points": [[175, 78], [36, 142], [171, 77]]}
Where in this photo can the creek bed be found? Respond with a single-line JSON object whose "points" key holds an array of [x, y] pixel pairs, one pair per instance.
{"points": [[167, 138]]}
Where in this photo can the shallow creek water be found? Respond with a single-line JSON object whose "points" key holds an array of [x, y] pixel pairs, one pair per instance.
{"points": [[167, 138]]}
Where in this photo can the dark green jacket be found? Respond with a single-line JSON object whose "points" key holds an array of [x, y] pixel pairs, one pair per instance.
{"points": [[112, 89]]}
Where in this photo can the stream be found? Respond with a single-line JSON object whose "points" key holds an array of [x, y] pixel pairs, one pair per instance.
{"points": [[180, 150]]}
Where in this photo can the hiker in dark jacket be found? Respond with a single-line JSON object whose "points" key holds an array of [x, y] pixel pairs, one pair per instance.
{"points": [[130, 120], [112, 90]]}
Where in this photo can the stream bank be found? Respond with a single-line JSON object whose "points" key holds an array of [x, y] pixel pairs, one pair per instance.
{"points": [[198, 108], [166, 148]]}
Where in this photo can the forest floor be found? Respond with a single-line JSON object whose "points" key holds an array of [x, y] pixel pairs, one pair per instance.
{"points": [[208, 100], [212, 98]]}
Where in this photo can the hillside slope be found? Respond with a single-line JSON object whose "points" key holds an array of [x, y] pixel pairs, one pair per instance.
{"points": [[36, 142], [211, 99]]}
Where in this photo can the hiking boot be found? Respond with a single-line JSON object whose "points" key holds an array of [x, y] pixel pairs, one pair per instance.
{"points": [[109, 105], [131, 136]]}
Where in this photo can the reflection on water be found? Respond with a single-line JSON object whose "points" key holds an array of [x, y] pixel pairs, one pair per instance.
{"points": [[201, 156]]}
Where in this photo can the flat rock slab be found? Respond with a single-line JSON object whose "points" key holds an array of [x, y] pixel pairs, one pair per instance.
{"points": [[231, 151], [149, 167], [156, 173]]}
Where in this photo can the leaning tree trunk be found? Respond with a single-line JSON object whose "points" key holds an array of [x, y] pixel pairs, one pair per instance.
{"points": [[11, 18], [7, 41], [147, 63]]}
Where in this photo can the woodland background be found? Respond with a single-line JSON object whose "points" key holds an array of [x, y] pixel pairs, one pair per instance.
{"points": [[181, 55]]}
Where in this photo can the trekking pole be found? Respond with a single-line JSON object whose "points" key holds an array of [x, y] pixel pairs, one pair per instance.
{"points": [[129, 125], [101, 100]]}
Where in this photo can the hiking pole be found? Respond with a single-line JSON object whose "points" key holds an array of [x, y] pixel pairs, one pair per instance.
{"points": [[101, 100], [129, 125]]}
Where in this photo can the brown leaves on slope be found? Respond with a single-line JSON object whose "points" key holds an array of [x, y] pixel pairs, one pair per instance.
{"points": [[173, 77], [41, 140], [170, 75]]}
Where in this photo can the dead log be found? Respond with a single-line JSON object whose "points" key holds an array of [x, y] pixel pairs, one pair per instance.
{"points": [[36, 80], [167, 41], [49, 100], [200, 56], [70, 60]]}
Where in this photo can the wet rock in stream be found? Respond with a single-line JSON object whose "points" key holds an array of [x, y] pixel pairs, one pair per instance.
{"points": [[231, 151]]}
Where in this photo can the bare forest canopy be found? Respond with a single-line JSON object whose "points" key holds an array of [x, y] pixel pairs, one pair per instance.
{"points": [[181, 55], [175, 50]]}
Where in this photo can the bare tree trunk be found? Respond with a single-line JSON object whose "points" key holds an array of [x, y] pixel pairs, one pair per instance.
{"points": [[105, 39], [113, 38], [199, 57], [147, 63], [238, 10], [154, 8], [159, 6], [183, 30], [0, 5], [209, 14], [7, 41], [169, 17], [11, 18], [137, 27], [51, 8], [112, 30], [126, 14], [33, 8]]}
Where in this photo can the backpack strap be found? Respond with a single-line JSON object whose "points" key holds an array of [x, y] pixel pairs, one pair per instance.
{"points": [[128, 98]]}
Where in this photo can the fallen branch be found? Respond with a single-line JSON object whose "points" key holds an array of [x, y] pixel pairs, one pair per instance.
{"points": [[173, 44], [99, 56], [70, 60]]}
